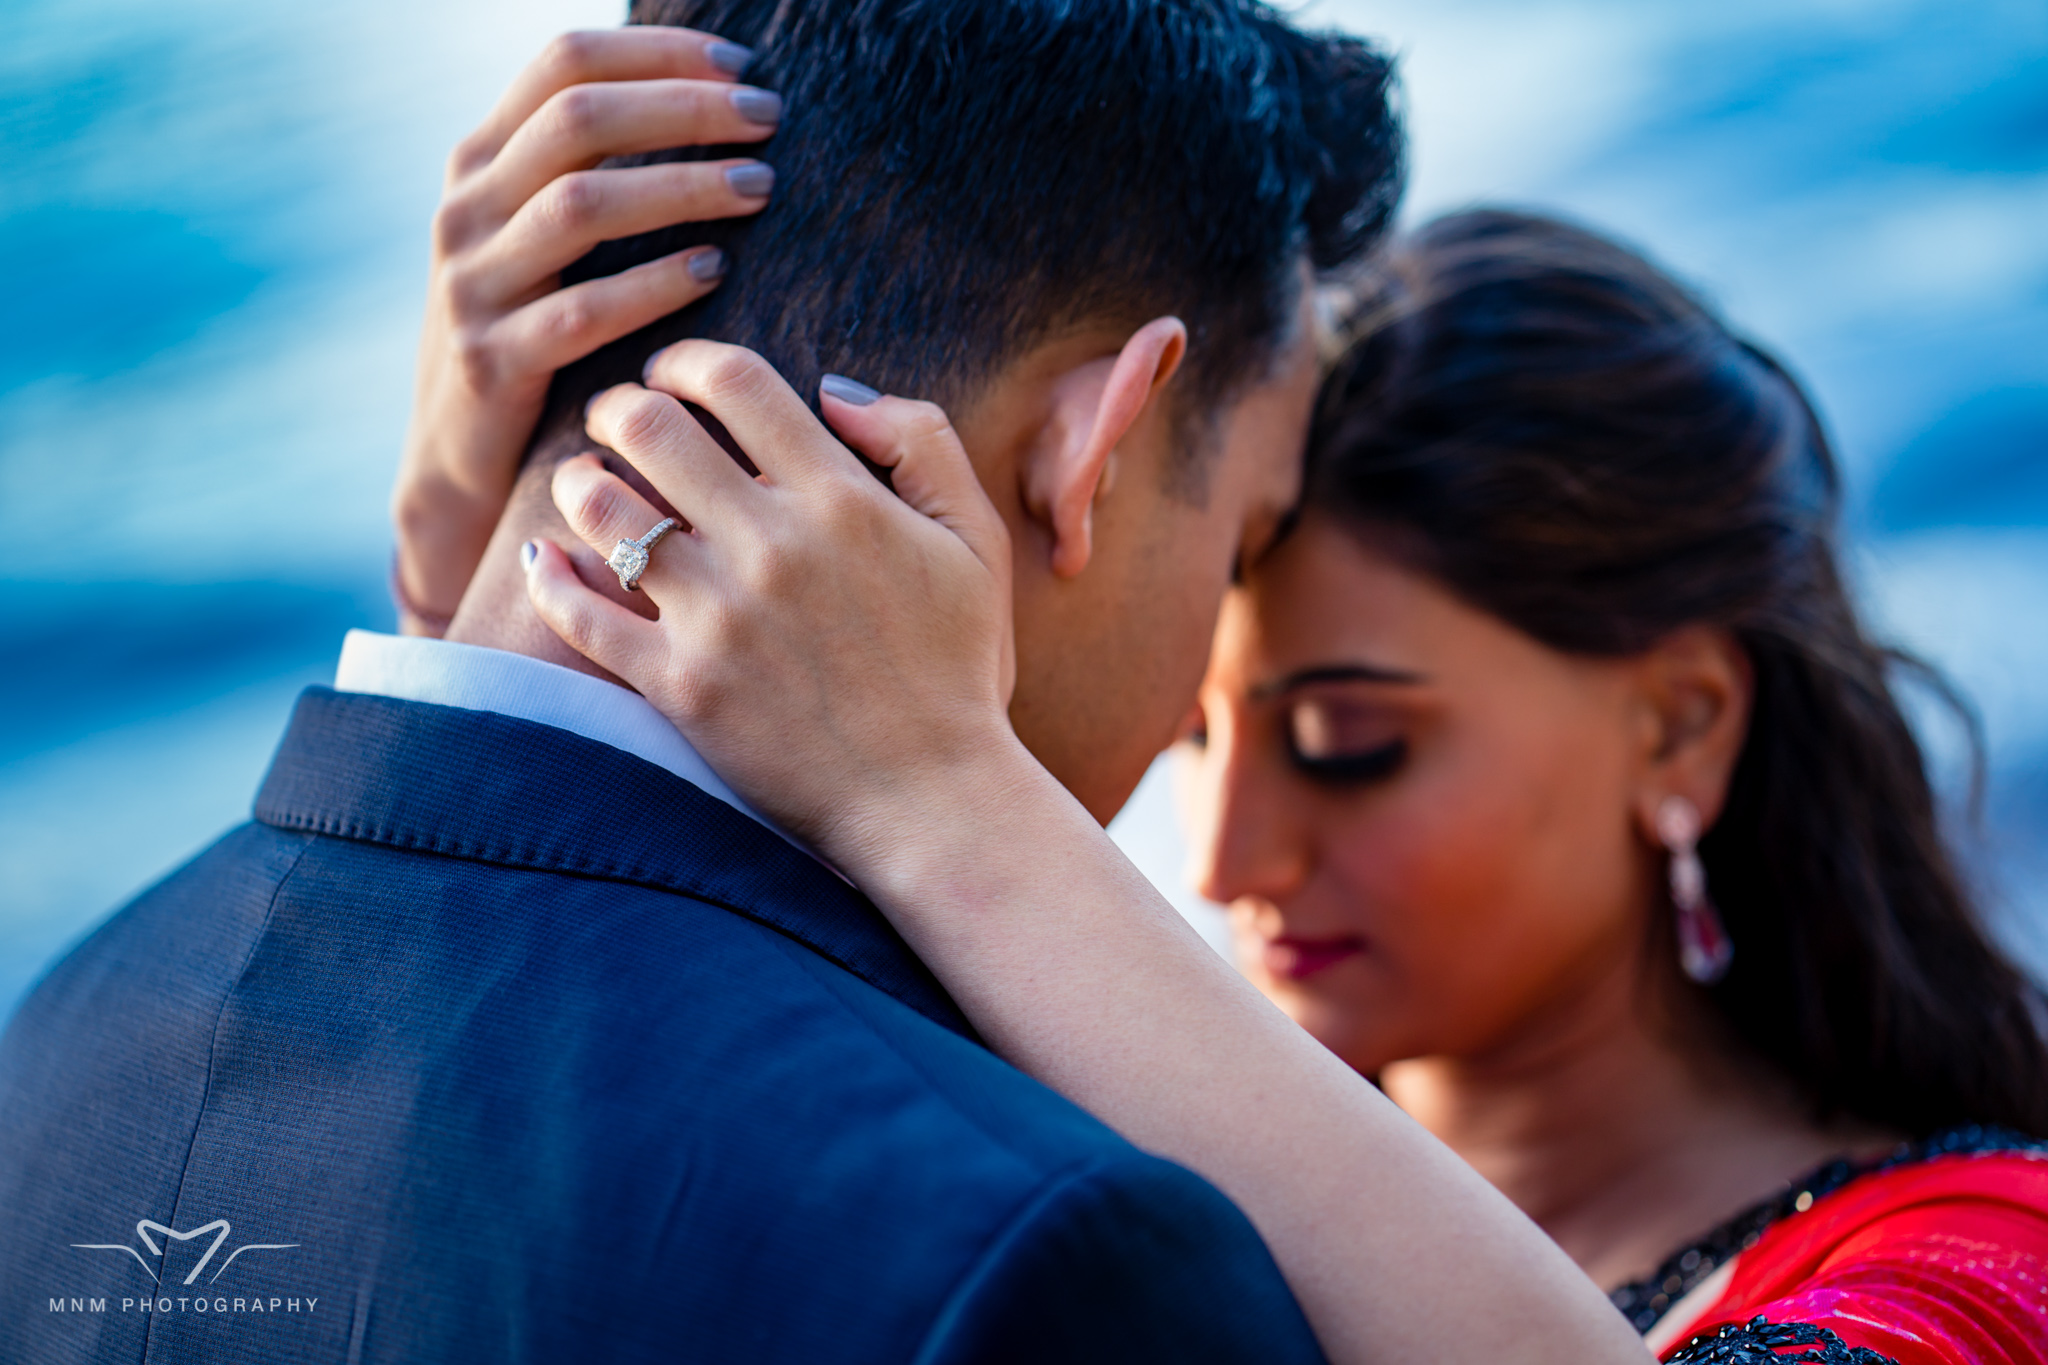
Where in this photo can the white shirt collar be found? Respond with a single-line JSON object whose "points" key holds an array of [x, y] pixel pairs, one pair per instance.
{"points": [[475, 678]]}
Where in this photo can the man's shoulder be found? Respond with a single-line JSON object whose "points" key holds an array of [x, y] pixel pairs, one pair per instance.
{"points": [[996, 1105], [647, 1045], [174, 948], [677, 1013], [684, 1110], [721, 1021]]}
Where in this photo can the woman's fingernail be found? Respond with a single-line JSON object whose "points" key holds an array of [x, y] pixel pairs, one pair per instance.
{"points": [[848, 390], [731, 58], [590, 403], [758, 106], [751, 181], [527, 554], [705, 267]]}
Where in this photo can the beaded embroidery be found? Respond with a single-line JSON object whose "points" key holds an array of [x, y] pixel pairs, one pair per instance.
{"points": [[1756, 1342], [1644, 1301]]}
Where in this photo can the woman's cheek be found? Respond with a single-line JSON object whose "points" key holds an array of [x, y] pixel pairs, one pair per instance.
{"points": [[1437, 901]]}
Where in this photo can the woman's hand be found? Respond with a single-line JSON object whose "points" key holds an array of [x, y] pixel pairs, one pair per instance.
{"points": [[840, 653], [524, 198]]}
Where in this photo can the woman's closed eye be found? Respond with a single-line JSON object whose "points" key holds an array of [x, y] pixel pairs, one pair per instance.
{"points": [[1343, 744]]}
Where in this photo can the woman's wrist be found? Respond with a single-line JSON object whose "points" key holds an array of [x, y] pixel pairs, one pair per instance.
{"points": [[938, 833], [440, 531]]}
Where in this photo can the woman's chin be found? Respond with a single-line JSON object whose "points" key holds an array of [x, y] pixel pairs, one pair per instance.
{"points": [[1330, 1006]]}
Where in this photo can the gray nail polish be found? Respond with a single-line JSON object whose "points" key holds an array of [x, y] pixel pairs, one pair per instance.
{"points": [[731, 58], [752, 180], [758, 106], [527, 554], [848, 390], [707, 266]]}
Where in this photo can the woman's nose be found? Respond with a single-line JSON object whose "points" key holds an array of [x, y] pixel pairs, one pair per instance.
{"points": [[1241, 837]]}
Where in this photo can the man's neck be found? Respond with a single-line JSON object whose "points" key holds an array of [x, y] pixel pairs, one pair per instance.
{"points": [[495, 612], [1622, 1139]]}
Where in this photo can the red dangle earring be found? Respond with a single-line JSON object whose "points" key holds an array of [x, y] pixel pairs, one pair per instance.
{"points": [[1704, 949]]}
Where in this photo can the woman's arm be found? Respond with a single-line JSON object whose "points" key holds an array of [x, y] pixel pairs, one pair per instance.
{"points": [[840, 657], [523, 199], [1075, 969]]}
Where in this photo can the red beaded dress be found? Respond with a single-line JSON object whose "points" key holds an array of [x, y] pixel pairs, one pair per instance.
{"points": [[1935, 1256]]}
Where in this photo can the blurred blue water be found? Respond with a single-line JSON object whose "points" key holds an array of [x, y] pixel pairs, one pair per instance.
{"points": [[212, 234], [1982, 463], [161, 282]]}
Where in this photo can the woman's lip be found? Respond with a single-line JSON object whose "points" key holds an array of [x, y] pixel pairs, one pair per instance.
{"points": [[1300, 958]]}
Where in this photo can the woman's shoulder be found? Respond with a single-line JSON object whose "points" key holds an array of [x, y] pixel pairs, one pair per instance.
{"points": [[1937, 1255]]}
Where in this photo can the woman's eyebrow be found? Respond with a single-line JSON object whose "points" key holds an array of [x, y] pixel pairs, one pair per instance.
{"points": [[1333, 673]]}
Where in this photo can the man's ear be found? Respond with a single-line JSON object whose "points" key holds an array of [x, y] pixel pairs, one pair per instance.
{"points": [[1094, 406], [1695, 689]]}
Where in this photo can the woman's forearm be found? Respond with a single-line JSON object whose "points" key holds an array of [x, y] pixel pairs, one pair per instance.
{"points": [[1052, 943]]}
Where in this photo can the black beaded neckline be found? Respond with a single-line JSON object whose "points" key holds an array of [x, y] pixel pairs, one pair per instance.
{"points": [[1645, 1301]]}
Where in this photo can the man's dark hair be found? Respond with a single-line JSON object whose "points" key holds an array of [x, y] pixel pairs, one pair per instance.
{"points": [[959, 180]]}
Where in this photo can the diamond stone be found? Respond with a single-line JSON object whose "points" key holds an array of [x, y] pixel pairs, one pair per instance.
{"points": [[628, 561]]}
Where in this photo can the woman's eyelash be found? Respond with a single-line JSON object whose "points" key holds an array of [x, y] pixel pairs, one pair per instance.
{"points": [[1348, 770]]}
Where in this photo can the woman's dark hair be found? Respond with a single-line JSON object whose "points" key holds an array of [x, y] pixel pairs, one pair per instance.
{"points": [[1571, 442]]}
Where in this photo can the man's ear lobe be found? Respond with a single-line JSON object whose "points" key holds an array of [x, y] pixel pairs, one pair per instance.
{"points": [[1094, 406]]}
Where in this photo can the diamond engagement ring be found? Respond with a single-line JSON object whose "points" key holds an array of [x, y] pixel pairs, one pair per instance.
{"points": [[629, 557]]}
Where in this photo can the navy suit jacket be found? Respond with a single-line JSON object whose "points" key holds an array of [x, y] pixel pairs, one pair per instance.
{"points": [[488, 1042]]}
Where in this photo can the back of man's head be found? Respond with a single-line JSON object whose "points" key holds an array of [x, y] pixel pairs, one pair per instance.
{"points": [[959, 180]]}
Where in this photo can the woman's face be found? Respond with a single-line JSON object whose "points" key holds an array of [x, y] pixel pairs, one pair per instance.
{"points": [[1420, 818]]}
